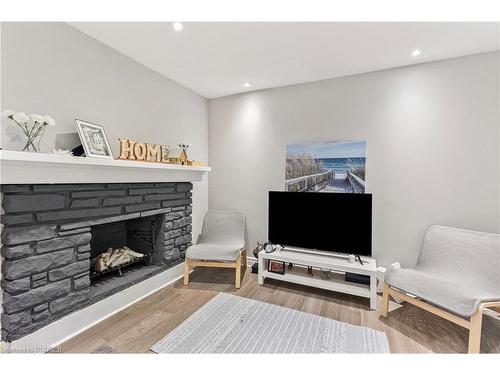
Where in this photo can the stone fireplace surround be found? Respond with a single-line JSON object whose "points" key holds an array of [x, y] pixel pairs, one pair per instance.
{"points": [[46, 242]]}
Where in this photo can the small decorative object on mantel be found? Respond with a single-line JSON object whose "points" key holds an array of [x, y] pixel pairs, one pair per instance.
{"points": [[94, 140], [71, 142], [141, 151], [62, 152], [32, 127], [178, 155]]}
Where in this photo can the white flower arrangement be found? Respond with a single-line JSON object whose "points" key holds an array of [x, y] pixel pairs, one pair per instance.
{"points": [[49, 120], [37, 118], [20, 117], [32, 126]]}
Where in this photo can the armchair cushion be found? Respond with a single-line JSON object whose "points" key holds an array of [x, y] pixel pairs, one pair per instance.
{"points": [[456, 270], [458, 299], [225, 253], [222, 237]]}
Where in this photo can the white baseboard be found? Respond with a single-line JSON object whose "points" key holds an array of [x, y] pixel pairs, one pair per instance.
{"points": [[71, 325]]}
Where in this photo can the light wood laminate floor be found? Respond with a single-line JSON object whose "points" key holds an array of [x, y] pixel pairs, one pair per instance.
{"points": [[138, 327]]}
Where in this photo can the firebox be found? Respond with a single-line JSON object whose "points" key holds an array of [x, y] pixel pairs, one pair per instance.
{"points": [[116, 246], [125, 252]]}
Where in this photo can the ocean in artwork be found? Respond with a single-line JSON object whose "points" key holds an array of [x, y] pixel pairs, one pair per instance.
{"points": [[341, 165], [338, 166]]}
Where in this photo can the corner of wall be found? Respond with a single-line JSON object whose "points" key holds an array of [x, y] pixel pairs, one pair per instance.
{"points": [[498, 139]]}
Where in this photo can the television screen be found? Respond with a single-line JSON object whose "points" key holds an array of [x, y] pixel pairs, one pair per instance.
{"points": [[336, 222]]}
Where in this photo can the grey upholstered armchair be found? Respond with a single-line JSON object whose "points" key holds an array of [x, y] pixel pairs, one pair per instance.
{"points": [[221, 244], [457, 276]]}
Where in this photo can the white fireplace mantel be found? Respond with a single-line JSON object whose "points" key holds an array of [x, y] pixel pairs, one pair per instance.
{"points": [[37, 168]]}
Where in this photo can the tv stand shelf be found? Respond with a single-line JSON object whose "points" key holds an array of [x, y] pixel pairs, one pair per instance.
{"points": [[337, 265]]}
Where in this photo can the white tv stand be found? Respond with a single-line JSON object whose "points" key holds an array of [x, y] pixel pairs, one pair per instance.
{"points": [[338, 267]]}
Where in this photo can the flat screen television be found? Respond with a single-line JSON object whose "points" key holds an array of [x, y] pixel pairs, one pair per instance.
{"points": [[332, 222]]}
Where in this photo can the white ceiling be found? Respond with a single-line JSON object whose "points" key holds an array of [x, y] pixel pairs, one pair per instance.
{"points": [[216, 59]]}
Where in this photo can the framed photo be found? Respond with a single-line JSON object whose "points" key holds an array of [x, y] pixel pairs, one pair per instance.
{"points": [[276, 267], [94, 140]]}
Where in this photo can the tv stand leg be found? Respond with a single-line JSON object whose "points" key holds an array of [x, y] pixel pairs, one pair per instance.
{"points": [[373, 292], [260, 277]]}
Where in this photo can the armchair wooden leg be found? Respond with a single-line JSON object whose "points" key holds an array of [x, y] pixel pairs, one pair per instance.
{"points": [[384, 306], [238, 272], [476, 321], [186, 271]]}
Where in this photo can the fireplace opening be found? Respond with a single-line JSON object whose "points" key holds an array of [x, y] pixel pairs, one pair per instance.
{"points": [[115, 246], [123, 253]]}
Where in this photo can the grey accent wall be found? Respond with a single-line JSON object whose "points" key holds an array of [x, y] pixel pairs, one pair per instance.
{"points": [[52, 68], [432, 151]]}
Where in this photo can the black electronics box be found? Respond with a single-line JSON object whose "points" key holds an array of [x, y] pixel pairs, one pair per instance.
{"points": [[357, 278]]}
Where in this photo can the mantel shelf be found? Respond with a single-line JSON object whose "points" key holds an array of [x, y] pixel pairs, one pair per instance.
{"points": [[37, 168]]}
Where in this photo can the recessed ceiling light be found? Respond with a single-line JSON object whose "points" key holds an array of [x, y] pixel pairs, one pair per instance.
{"points": [[247, 84], [416, 52], [177, 26]]}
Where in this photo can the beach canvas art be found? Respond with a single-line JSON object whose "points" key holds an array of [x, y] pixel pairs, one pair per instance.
{"points": [[330, 167]]}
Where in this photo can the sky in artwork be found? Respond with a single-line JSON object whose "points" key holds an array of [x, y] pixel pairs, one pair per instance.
{"points": [[324, 150]]}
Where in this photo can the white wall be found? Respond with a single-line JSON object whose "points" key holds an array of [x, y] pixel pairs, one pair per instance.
{"points": [[52, 68], [432, 151]]}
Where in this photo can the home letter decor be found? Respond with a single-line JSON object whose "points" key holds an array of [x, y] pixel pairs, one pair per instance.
{"points": [[127, 149], [153, 152], [164, 154], [140, 151], [156, 153]]}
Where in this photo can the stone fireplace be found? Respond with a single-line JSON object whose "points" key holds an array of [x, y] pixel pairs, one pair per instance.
{"points": [[52, 233]]}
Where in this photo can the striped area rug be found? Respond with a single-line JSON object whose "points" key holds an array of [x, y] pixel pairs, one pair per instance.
{"points": [[232, 324]]}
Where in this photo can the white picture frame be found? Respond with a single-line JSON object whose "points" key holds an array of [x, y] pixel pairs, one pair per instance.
{"points": [[94, 140]]}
